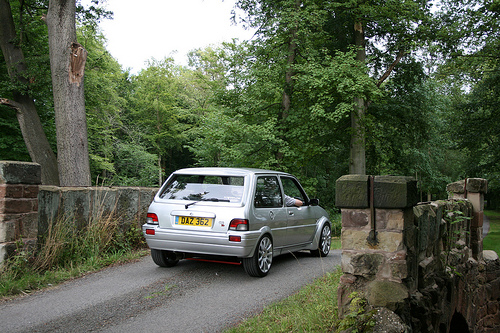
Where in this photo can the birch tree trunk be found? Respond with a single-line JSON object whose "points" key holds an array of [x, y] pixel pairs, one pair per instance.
{"points": [[67, 63], [29, 122]]}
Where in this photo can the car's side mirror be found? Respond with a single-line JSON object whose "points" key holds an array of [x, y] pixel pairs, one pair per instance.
{"points": [[314, 202]]}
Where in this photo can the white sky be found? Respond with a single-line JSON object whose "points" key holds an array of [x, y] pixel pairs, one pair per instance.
{"points": [[147, 29]]}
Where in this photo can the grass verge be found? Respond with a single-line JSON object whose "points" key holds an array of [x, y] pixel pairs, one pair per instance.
{"points": [[13, 282], [312, 309], [336, 244], [492, 240], [66, 252]]}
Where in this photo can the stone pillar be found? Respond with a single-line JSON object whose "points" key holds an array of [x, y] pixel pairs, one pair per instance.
{"points": [[472, 189], [377, 216], [19, 183]]}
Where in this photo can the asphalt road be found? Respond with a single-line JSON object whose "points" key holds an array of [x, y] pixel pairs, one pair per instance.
{"points": [[142, 297]]}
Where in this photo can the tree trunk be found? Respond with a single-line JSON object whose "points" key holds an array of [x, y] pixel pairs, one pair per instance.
{"points": [[31, 127], [286, 100], [292, 54], [357, 161], [67, 63]]}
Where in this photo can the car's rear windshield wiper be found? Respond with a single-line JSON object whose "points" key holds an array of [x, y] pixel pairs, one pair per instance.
{"points": [[207, 199]]}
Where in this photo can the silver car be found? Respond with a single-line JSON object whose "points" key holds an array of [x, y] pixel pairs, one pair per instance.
{"points": [[250, 215]]}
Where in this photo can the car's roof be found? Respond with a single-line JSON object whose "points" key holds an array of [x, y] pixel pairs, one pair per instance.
{"points": [[218, 171]]}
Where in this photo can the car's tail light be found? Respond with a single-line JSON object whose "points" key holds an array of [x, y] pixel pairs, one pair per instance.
{"points": [[150, 232], [151, 218], [235, 238], [238, 224]]}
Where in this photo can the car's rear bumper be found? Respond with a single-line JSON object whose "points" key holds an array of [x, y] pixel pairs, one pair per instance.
{"points": [[201, 242]]}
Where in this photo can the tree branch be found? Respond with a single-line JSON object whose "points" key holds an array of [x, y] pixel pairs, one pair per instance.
{"points": [[269, 106], [400, 55], [10, 103]]}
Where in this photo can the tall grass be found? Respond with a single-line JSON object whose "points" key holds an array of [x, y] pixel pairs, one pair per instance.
{"points": [[67, 250]]}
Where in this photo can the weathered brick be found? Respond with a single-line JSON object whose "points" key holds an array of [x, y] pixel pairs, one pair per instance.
{"points": [[76, 204], [394, 192], [20, 173], [352, 191], [355, 218], [477, 220], [347, 279], [399, 255], [14, 191], [456, 187], [29, 225], [19, 206], [353, 239], [390, 241], [477, 185], [357, 240], [146, 197], [399, 269], [128, 203], [386, 294], [362, 263], [104, 202], [9, 231], [31, 191], [389, 219], [477, 200]]}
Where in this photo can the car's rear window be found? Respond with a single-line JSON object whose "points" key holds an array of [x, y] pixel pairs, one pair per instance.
{"points": [[204, 188]]}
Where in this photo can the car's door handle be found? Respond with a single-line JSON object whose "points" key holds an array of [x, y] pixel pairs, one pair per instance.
{"points": [[291, 213], [271, 215]]}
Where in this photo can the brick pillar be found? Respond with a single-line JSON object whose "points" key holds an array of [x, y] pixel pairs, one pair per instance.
{"points": [[19, 183], [472, 189], [375, 266]]}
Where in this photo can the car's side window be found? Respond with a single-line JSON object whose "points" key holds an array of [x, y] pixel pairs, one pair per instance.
{"points": [[292, 189], [267, 193]]}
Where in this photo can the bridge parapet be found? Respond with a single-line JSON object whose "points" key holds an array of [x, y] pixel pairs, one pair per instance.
{"points": [[27, 207], [422, 261]]}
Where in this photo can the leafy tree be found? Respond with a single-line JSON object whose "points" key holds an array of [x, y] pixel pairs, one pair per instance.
{"points": [[19, 94], [136, 166], [157, 111], [408, 131], [386, 31], [469, 39], [107, 90], [27, 91]]}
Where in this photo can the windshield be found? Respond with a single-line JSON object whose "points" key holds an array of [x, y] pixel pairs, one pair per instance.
{"points": [[204, 188]]}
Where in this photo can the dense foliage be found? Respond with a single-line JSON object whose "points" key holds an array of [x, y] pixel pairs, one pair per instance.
{"points": [[283, 100]]}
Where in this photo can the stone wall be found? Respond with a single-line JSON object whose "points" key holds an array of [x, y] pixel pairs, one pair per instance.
{"points": [[19, 184], [84, 204], [27, 208], [421, 261]]}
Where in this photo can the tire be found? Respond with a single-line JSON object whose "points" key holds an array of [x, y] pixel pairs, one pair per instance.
{"points": [[260, 264], [325, 242], [164, 258]]}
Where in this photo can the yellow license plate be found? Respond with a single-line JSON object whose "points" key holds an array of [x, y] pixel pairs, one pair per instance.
{"points": [[194, 221]]}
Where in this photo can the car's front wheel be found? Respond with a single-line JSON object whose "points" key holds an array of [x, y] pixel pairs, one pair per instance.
{"points": [[260, 264], [164, 258], [324, 243]]}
